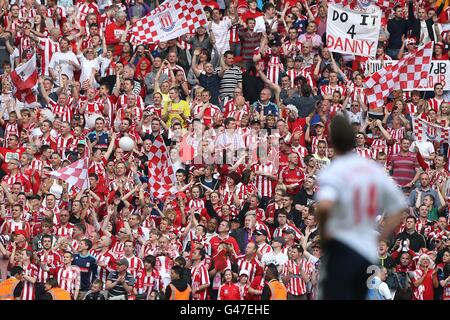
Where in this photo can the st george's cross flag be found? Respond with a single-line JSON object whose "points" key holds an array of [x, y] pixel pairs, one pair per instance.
{"points": [[170, 20], [75, 174]]}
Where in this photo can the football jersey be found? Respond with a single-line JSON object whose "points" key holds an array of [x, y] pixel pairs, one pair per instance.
{"points": [[361, 190]]}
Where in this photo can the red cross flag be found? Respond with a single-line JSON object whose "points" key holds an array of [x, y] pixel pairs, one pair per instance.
{"points": [[170, 20], [161, 177], [407, 73], [76, 174]]}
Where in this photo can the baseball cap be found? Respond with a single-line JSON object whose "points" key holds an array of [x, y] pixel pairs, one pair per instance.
{"points": [[279, 240], [261, 232], [123, 262], [440, 44], [243, 273], [82, 142], [22, 232], [288, 231], [320, 123]]}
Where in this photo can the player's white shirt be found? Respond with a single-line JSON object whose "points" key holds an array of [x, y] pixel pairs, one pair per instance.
{"points": [[360, 190]]}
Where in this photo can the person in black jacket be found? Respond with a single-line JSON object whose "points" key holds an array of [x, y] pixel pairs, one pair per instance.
{"points": [[178, 281], [416, 240], [397, 28], [421, 27]]}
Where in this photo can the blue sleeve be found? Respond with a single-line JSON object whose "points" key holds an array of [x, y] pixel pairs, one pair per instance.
{"points": [[94, 268]]}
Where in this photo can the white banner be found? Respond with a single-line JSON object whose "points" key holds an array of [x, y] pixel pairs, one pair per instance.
{"points": [[353, 32], [439, 73], [373, 66]]}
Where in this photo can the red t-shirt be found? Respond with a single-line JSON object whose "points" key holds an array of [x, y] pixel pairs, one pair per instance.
{"points": [[9, 154], [229, 291]]}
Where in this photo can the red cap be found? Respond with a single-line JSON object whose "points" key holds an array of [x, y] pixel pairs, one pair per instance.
{"points": [[22, 232]]}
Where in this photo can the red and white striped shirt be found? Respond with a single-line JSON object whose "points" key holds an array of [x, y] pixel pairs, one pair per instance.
{"points": [[280, 230], [28, 292], [200, 277], [364, 152], [10, 129], [293, 73], [64, 231], [49, 47], [254, 266], [328, 89], [64, 144], [263, 183], [274, 67], [69, 278], [106, 258], [64, 113], [264, 248], [210, 113], [148, 282], [118, 249], [297, 285], [135, 265], [54, 260], [435, 103], [292, 48]]}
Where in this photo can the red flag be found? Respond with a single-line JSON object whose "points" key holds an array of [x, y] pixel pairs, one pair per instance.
{"points": [[161, 177], [25, 76], [76, 174]]}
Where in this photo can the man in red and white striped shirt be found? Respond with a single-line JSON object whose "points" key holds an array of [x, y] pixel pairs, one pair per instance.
{"points": [[69, 276], [435, 103], [149, 279], [106, 261], [47, 259], [200, 276], [250, 262], [327, 90], [261, 242], [296, 274], [48, 46], [264, 175], [135, 265], [30, 272], [361, 148]]}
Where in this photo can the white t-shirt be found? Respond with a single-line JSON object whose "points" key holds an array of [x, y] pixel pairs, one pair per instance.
{"points": [[426, 148], [222, 35], [87, 66], [360, 189], [60, 64]]}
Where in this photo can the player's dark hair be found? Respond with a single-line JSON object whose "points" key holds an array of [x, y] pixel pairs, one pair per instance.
{"points": [[342, 134]]}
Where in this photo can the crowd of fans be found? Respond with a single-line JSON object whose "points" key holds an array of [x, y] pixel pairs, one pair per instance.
{"points": [[257, 80]]}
